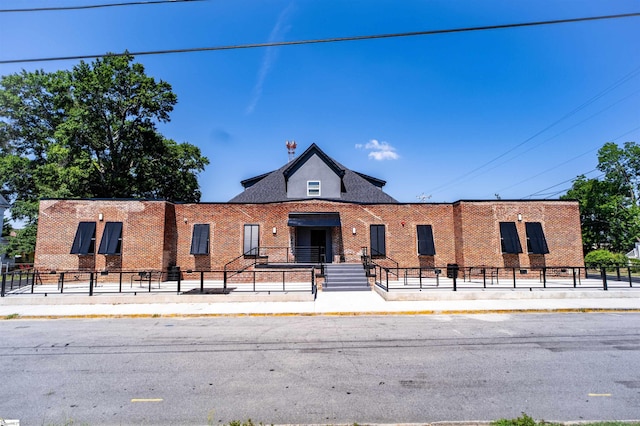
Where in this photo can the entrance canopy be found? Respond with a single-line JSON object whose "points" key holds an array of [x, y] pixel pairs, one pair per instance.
{"points": [[314, 219]]}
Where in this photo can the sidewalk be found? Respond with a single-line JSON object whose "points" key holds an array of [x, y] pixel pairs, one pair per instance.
{"points": [[326, 303]]}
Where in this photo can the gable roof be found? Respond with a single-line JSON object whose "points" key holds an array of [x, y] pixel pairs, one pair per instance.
{"points": [[3, 202], [272, 186], [313, 149]]}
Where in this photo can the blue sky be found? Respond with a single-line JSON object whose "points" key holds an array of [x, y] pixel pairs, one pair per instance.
{"points": [[514, 112]]}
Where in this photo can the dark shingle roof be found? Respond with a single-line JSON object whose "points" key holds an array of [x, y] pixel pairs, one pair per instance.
{"points": [[271, 187]]}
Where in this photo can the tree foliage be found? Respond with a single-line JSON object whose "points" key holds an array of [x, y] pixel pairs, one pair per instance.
{"points": [[603, 257], [89, 133], [609, 206]]}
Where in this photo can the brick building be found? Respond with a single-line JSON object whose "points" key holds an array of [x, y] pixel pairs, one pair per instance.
{"points": [[311, 209]]}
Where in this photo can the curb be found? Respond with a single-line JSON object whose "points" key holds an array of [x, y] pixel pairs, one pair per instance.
{"points": [[309, 314]]}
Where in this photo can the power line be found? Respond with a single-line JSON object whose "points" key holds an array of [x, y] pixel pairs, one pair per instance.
{"points": [[573, 179], [94, 6], [632, 74], [328, 40], [563, 182], [558, 134]]}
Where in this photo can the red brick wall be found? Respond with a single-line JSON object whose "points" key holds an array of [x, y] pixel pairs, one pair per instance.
{"points": [[158, 234], [143, 230], [479, 235]]}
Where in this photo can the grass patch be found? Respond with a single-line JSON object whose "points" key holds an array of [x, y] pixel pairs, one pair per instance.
{"points": [[247, 423], [525, 420], [11, 316]]}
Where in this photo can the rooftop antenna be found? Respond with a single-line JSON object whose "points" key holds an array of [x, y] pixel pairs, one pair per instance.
{"points": [[291, 149]]}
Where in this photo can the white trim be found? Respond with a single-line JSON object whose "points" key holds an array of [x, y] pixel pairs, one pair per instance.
{"points": [[309, 189]]}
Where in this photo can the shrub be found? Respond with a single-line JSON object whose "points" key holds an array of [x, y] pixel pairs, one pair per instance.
{"points": [[598, 258]]}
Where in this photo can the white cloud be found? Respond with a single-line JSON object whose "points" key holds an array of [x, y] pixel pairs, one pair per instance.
{"points": [[380, 150], [383, 155], [270, 56]]}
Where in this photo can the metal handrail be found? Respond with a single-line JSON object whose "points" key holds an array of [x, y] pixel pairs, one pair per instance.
{"points": [[244, 255], [387, 258], [564, 277]]}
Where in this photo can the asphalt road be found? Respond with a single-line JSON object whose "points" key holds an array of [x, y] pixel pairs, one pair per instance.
{"points": [[365, 369]]}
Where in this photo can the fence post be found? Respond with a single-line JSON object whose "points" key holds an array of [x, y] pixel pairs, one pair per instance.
{"points": [[629, 273], [618, 272], [224, 279], [120, 282], [484, 277], [386, 273], [90, 283], [544, 277], [4, 283], [61, 282], [514, 277], [283, 287], [149, 281], [179, 281], [254, 280], [454, 273], [603, 274], [573, 270], [201, 282]]}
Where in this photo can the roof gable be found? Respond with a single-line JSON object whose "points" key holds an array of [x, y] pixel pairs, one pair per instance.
{"points": [[3, 202], [272, 187], [302, 159]]}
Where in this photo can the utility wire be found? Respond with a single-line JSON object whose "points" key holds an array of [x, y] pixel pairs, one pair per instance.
{"points": [[563, 182], [571, 180], [328, 40], [94, 6], [558, 134], [633, 73]]}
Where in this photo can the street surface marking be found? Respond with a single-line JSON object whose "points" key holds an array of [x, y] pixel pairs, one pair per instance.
{"points": [[599, 394], [146, 400]]}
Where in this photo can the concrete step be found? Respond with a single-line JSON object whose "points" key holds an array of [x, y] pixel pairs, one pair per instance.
{"points": [[359, 288], [345, 281], [345, 277], [344, 266]]}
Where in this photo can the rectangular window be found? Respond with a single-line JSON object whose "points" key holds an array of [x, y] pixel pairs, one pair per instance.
{"points": [[378, 246], [200, 239], [425, 241], [251, 240], [85, 240], [111, 242], [509, 239], [536, 242], [313, 188]]}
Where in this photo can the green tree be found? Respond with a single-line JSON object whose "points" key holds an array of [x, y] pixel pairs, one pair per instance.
{"points": [[621, 167], [89, 132], [609, 210]]}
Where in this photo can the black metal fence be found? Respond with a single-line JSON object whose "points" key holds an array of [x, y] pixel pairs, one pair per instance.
{"points": [[83, 282], [452, 277]]}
